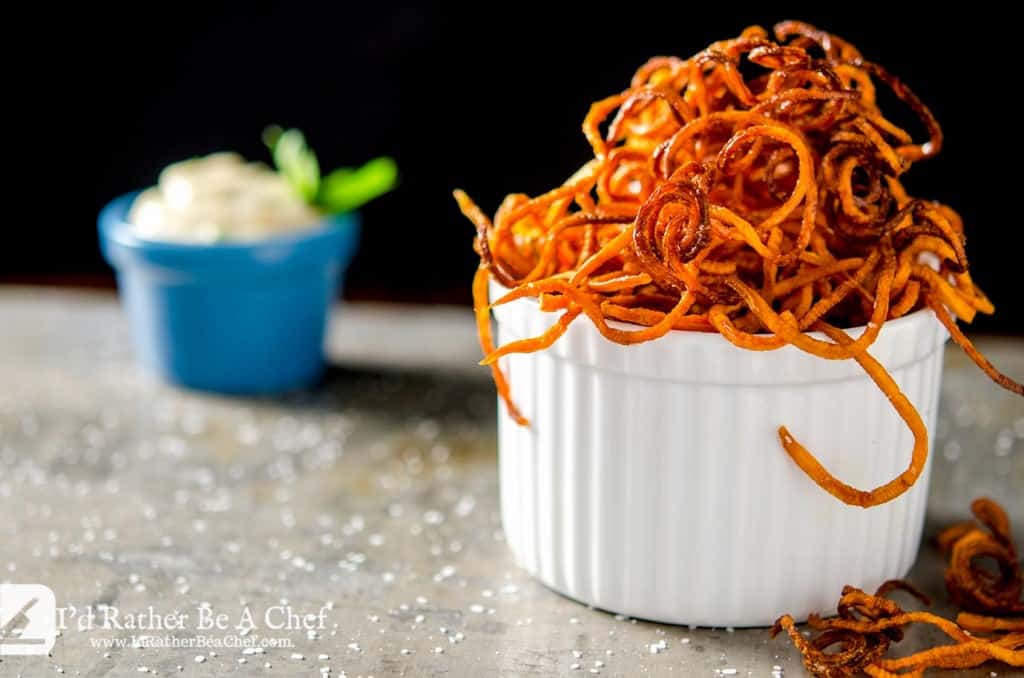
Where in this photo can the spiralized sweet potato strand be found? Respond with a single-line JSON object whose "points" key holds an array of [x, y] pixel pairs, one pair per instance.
{"points": [[975, 587], [753, 190], [867, 625], [898, 485]]}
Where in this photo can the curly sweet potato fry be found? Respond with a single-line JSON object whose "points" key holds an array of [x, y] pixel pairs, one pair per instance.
{"points": [[753, 190]]}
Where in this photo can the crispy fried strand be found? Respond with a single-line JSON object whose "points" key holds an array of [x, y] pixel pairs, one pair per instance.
{"points": [[970, 584], [483, 326], [867, 625], [976, 623], [898, 485], [974, 354]]}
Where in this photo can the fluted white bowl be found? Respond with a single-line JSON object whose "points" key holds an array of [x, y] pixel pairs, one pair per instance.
{"points": [[652, 483]]}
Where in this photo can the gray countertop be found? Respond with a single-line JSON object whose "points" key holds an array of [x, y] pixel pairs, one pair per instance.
{"points": [[370, 500]]}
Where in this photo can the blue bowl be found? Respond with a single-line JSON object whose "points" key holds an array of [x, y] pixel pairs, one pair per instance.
{"points": [[233, 317]]}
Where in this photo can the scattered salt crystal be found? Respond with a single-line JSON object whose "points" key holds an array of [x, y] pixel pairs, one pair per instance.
{"points": [[1004, 442]]}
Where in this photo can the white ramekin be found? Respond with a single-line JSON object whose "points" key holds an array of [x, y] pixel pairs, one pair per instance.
{"points": [[651, 481]]}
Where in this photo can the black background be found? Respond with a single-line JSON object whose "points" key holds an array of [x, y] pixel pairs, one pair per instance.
{"points": [[489, 100]]}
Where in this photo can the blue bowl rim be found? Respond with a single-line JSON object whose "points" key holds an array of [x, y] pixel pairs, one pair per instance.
{"points": [[114, 226]]}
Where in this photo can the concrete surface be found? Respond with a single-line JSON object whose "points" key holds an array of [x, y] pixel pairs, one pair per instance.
{"points": [[370, 500]]}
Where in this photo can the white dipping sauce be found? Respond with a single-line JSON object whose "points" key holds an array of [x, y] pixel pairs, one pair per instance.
{"points": [[220, 197]]}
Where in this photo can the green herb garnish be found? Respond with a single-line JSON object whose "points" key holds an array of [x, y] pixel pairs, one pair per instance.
{"points": [[342, 190]]}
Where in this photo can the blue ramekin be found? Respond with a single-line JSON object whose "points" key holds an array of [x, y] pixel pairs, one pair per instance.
{"points": [[230, 317]]}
